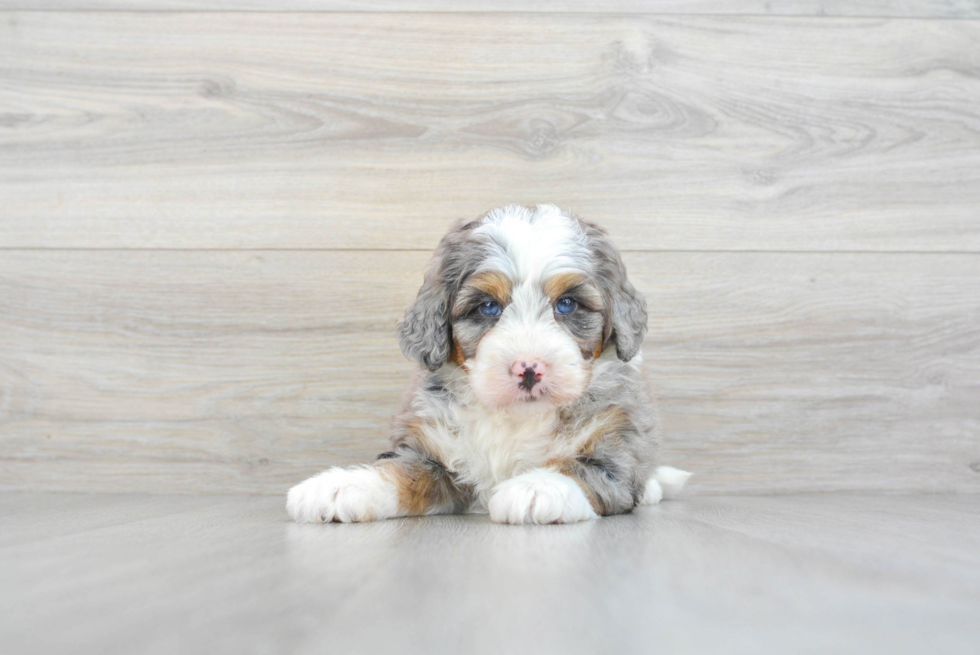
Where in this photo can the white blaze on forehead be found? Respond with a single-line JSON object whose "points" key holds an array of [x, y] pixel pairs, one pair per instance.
{"points": [[535, 244], [530, 246], [528, 304]]}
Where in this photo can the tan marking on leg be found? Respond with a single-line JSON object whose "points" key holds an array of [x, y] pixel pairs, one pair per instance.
{"points": [[607, 425], [414, 484], [421, 487]]}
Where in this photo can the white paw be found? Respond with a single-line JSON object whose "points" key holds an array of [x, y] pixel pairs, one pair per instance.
{"points": [[653, 494], [539, 496], [666, 483], [671, 480], [343, 495]]}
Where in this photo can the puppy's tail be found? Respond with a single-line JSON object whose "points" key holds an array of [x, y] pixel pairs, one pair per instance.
{"points": [[666, 482]]}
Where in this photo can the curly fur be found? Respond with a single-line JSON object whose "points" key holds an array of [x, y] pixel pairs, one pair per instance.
{"points": [[540, 415]]}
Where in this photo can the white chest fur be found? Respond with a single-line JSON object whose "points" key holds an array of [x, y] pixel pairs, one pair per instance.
{"points": [[484, 447]]}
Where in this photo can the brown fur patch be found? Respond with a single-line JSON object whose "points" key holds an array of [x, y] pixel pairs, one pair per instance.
{"points": [[599, 347], [557, 285], [497, 285], [414, 484], [423, 486], [457, 353], [609, 424]]}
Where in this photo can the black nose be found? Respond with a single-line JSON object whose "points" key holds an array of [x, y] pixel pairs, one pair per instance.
{"points": [[529, 379]]}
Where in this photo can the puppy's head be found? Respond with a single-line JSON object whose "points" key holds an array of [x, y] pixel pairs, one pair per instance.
{"points": [[524, 299]]}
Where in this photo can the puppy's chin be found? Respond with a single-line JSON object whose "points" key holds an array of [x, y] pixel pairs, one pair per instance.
{"points": [[524, 408]]}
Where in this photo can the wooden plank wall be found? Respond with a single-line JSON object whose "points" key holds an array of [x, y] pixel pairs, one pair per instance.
{"points": [[210, 222]]}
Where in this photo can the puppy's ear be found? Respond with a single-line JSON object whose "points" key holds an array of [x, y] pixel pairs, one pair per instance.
{"points": [[626, 315], [425, 334]]}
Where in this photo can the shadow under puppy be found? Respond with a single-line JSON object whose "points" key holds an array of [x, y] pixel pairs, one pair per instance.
{"points": [[531, 401]]}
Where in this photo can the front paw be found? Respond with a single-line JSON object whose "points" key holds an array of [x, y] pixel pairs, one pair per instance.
{"points": [[539, 496], [344, 496]]}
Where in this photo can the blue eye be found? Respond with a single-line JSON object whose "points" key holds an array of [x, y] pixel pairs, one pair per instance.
{"points": [[490, 308], [565, 306]]}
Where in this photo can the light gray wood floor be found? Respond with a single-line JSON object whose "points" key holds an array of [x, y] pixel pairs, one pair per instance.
{"points": [[832, 573]]}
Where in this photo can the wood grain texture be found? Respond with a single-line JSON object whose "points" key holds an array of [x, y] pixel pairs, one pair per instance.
{"points": [[237, 130], [805, 574], [245, 372], [867, 8]]}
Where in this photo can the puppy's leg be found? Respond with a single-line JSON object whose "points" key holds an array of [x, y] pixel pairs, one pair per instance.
{"points": [[360, 493], [424, 485], [565, 491], [606, 476], [407, 484], [542, 495]]}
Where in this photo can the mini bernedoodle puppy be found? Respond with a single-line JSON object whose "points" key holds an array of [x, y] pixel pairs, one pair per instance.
{"points": [[531, 401]]}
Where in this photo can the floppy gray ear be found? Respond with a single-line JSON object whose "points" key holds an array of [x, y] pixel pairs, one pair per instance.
{"points": [[629, 318], [627, 314], [424, 332]]}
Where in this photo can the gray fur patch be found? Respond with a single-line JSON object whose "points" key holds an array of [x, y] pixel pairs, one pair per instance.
{"points": [[469, 329]]}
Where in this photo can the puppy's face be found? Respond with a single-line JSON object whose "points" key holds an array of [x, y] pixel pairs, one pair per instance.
{"points": [[524, 299]]}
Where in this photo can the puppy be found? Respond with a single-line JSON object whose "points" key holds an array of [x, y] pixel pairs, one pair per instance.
{"points": [[530, 402]]}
